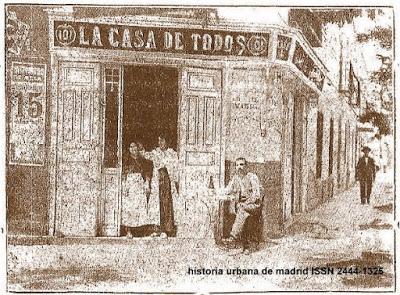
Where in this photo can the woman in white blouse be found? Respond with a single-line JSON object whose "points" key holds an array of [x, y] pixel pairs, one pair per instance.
{"points": [[164, 185]]}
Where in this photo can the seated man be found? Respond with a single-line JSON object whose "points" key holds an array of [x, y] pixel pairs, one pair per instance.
{"points": [[245, 188]]}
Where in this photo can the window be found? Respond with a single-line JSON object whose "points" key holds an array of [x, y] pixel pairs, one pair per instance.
{"points": [[320, 135], [111, 117]]}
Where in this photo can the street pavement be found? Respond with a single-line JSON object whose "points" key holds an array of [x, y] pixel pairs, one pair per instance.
{"points": [[340, 233]]}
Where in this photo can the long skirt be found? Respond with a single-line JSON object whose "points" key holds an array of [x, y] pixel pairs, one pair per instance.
{"points": [[134, 201], [167, 223]]}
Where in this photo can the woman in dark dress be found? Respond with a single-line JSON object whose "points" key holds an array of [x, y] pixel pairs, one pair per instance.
{"points": [[165, 184]]}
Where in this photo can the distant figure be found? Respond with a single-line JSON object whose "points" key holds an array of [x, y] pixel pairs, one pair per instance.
{"points": [[365, 174], [165, 184], [245, 188], [136, 179]]}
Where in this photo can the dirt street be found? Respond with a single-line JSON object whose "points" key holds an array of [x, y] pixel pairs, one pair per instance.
{"points": [[340, 234]]}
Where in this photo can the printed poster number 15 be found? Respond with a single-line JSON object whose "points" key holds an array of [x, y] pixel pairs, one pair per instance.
{"points": [[28, 105]]}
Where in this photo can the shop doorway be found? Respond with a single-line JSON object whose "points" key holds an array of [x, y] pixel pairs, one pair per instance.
{"points": [[150, 106], [78, 179]]}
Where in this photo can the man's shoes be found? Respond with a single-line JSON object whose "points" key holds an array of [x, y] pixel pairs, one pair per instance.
{"points": [[129, 235]]}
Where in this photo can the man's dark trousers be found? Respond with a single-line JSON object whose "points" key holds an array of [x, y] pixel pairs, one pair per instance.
{"points": [[365, 174], [365, 190]]}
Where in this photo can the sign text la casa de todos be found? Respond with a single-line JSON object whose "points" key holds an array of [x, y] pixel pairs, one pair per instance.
{"points": [[188, 41]]}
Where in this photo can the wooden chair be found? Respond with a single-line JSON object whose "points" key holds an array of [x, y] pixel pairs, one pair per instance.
{"points": [[252, 231], [253, 228]]}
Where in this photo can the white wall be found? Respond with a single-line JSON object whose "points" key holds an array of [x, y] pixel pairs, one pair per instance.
{"points": [[254, 117]]}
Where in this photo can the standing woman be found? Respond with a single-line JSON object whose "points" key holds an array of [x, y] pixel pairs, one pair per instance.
{"points": [[165, 184], [136, 179]]}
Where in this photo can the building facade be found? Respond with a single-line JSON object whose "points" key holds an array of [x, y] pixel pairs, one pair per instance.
{"points": [[219, 90]]}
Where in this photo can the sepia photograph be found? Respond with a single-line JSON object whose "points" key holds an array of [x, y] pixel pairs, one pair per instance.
{"points": [[186, 148]]}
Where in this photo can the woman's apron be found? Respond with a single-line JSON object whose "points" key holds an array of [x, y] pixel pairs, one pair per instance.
{"points": [[134, 201]]}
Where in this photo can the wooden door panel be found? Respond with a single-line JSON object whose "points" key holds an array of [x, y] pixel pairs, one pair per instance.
{"points": [[287, 160], [191, 120], [86, 116], [79, 148], [201, 123], [201, 143], [110, 203], [297, 153], [66, 214], [209, 121], [304, 162]]}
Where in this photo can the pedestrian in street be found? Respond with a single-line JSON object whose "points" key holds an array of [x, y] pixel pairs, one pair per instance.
{"points": [[365, 174], [245, 189]]}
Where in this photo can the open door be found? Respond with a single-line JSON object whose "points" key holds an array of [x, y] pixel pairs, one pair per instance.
{"points": [[79, 149], [200, 140]]}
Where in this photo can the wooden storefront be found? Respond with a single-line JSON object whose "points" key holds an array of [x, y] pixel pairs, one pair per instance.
{"points": [[230, 89]]}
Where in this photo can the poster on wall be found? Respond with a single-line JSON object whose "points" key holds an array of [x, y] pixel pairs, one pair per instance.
{"points": [[251, 111], [27, 101]]}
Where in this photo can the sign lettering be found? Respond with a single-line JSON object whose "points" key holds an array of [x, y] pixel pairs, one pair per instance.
{"points": [[283, 47], [153, 39], [183, 41], [27, 113], [307, 66]]}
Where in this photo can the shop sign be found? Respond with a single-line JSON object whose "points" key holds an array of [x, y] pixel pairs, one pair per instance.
{"points": [[153, 39], [27, 102], [283, 47], [307, 66]]}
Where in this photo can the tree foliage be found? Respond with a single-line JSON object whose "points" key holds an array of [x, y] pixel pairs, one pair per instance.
{"points": [[380, 34], [337, 16], [383, 76], [377, 119]]}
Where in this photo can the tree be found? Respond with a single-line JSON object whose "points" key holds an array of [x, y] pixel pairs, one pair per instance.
{"points": [[384, 78], [381, 114], [380, 34], [377, 119]]}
